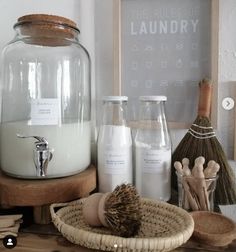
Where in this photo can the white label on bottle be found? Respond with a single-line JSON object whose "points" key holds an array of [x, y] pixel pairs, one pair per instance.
{"points": [[44, 111], [155, 161], [117, 162]]}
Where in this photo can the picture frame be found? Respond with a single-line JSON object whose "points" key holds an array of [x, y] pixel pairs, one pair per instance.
{"points": [[125, 7]]}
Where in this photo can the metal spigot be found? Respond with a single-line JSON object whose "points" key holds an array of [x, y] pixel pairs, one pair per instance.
{"points": [[42, 155]]}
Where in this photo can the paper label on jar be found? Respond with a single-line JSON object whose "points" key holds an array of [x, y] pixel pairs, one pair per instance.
{"points": [[155, 161], [45, 111], [117, 162]]}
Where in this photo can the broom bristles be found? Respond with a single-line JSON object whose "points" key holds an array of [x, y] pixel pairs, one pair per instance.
{"points": [[201, 141], [123, 210]]}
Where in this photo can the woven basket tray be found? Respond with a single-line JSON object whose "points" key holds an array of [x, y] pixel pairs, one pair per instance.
{"points": [[163, 228]]}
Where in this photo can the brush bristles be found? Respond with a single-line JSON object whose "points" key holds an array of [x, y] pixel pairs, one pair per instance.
{"points": [[210, 148], [123, 210]]}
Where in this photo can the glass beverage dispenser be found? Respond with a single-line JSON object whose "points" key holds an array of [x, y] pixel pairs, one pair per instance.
{"points": [[45, 120]]}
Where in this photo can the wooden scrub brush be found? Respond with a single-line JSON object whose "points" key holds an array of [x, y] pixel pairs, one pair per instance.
{"points": [[119, 210]]}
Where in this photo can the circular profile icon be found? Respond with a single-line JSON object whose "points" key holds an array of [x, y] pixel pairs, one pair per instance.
{"points": [[9, 241]]}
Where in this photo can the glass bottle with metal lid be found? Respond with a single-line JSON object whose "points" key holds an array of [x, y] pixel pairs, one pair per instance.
{"points": [[114, 145], [45, 119], [153, 150]]}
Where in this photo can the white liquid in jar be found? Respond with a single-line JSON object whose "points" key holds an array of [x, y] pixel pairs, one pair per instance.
{"points": [[114, 157], [71, 144], [152, 172]]}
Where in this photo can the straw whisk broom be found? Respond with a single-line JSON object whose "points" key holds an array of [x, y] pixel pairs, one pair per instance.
{"points": [[201, 140]]}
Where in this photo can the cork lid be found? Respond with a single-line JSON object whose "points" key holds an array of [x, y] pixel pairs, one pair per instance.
{"points": [[47, 29]]}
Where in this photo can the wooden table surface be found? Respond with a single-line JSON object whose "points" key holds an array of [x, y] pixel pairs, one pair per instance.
{"points": [[27, 242]]}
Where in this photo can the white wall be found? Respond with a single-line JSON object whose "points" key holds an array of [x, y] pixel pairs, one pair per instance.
{"points": [[227, 73]]}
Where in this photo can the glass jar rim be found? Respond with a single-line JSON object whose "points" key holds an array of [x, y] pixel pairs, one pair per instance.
{"points": [[206, 179], [153, 98], [115, 98]]}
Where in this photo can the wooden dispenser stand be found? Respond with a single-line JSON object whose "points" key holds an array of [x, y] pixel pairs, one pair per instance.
{"points": [[41, 193]]}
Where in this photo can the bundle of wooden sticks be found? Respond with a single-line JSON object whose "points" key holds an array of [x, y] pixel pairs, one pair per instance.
{"points": [[9, 225], [197, 185]]}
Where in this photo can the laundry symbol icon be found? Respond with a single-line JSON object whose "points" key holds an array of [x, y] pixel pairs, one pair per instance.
{"points": [[194, 64], [179, 46], [148, 83], [164, 83], [135, 48], [148, 64], [164, 64], [148, 48], [134, 65], [134, 83], [179, 63], [194, 46]]}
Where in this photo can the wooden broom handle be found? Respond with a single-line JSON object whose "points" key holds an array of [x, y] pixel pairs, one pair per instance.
{"points": [[204, 105]]}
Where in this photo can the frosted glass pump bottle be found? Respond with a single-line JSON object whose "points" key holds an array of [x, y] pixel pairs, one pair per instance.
{"points": [[114, 145], [153, 150]]}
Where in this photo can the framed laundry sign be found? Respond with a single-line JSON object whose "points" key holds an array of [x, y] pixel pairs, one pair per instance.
{"points": [[165, 47]]}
